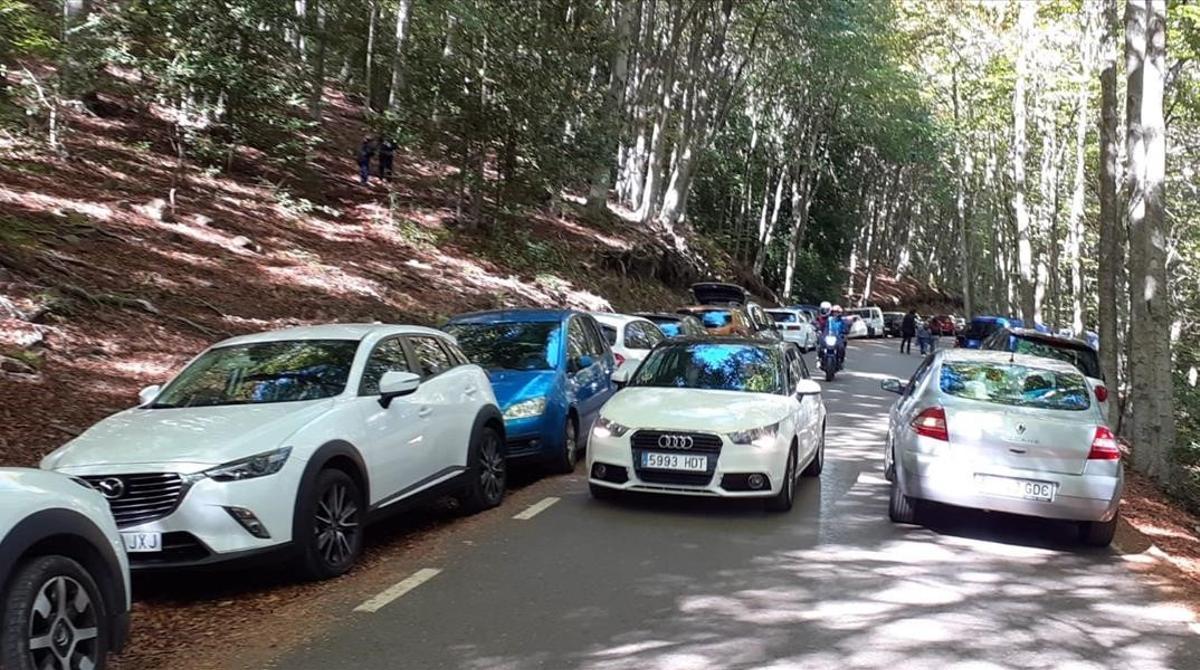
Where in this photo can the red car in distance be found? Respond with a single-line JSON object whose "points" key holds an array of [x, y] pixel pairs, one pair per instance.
{"points": [[942, 324]]}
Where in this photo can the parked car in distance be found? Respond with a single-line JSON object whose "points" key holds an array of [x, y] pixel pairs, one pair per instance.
{"points": [[721, 320], [675, 325], [892, 322], [855, 326], [722, 294], [64, 577], [795, 326], [941, 324], [1066, 349], [291, 441], [630, 337], [873, 319], [727, 417], [1003, 432], [551, 371], [983, 326]]}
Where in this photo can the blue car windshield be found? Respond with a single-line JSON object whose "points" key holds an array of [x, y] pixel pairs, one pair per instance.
{"points": [[263, 372], [1017, 385], [530, 345], [713, 366], [670, 328]]}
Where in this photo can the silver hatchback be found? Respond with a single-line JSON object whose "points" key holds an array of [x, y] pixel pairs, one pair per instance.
{"points": [[1007, 433]]}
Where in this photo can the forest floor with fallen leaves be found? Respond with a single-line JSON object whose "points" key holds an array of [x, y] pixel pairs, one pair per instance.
{"points": [[109, 284]]}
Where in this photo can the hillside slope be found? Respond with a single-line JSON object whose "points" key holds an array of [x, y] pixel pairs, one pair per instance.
{"points": [[104, 288]]}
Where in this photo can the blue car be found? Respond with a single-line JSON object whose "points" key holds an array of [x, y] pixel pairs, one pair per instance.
{"points": [[983, 326], [551, 371]]}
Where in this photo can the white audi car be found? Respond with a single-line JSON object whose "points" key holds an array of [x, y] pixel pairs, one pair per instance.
{"points": [[725, 417], [64, 578], [291, 441]]}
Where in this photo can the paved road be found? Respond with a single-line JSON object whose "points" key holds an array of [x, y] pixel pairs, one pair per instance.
{"points": [[656, 584]]}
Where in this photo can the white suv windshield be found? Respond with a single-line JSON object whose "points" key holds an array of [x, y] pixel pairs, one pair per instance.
{"points": [[264, 372], [1012, 384]]}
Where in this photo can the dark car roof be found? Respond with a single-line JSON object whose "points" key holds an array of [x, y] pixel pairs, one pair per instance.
{"points": [[662, 315], [513, 316], [723, 339], [1030, 333]]}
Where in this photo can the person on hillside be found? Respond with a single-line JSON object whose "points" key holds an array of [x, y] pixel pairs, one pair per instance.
{"points": [[365, 151], [908, 330], [387, 153], [925, 338]]}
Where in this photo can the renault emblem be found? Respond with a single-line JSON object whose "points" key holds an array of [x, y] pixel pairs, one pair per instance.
{"points": [[675, 441], [111, 488]]}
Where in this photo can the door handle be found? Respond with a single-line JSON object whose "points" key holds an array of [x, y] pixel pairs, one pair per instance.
{"points": [[424, 412]]}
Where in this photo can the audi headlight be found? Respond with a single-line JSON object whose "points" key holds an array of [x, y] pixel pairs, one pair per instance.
{"points": [[526, 409], [607, 428], [759, 437], [259, 465], [831, 340]]}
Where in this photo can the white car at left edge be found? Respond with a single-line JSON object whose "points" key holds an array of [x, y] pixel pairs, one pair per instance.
{"points": [[711, 416], [291, 441]]}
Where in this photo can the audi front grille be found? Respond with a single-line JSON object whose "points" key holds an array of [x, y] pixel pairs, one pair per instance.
{"points": [[143, 497], [702, 443], [653, 440]]}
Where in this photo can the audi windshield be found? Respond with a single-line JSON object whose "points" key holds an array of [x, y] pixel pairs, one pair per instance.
{"points": [[718, 366]]}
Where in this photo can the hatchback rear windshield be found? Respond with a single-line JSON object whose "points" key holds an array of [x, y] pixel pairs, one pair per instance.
{"points": [[1083, 358], [784, 317], [670, 328], [724, 367], [1016, 385], [716, 318], [979, 330], [262, 372]]}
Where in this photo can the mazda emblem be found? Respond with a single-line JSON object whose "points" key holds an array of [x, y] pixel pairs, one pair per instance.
{"points": [[675, 441], [111, 488]]}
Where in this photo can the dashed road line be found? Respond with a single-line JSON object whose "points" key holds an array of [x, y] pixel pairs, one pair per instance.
{"points": [[534, 509], [385, 597]]}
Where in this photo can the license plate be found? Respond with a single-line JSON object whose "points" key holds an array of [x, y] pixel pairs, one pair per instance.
{"points": [[1011, 487], [136, 543], [684, 462]]}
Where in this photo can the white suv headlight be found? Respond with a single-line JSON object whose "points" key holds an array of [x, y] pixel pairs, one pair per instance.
{"points": [[526, 409], [759, 437], [259, 465], [606, 428]]}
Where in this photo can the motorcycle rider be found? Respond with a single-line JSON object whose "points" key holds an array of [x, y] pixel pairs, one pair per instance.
{"points": [[836, 326]]}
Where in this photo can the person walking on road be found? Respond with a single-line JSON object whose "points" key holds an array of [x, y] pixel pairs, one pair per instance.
{"points": [[908, 329], [365, 151], [925, 338], [387, 152]]}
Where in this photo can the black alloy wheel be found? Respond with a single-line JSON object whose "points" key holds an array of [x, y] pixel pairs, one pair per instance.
{"points": [[58, 619], [488, 474], [335, 520]]}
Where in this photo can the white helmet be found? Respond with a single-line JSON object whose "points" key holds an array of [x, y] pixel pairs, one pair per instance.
{"points": [[825, 307]]}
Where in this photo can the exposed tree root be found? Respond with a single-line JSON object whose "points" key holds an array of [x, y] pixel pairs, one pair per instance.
{"points": [[136, 304]]}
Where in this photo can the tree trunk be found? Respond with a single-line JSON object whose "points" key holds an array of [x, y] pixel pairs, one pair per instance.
{"points": [[316, 87], [1028, 14], [614, 100], [963, 167], [370, 58], [1075, 217], [403, 9], [1151, 384], [1112, 245]]}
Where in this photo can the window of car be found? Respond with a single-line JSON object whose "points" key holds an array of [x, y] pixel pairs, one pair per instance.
{"points": [[642, 335], [531, 345], [784, 317], [577, 339], [1083, 358], [262, 372], [1015, 384], [714, 366], [432, 358], [716, 318], [610, 333], [673, 327], [918, 377], [796, 371], [596, 340], [388, 356]]}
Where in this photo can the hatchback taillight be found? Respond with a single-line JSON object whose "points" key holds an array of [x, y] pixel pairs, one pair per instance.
{"points": [[619, 359], [1101, 393], [931, 422], [1104, 446]]}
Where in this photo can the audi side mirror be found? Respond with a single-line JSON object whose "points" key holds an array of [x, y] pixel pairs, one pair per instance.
{"points": [[807, 387], [395, 384], [148, 394], [622, 374]]}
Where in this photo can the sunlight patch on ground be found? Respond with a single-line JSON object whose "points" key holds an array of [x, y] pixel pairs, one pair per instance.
{"points": [[41, 202]]}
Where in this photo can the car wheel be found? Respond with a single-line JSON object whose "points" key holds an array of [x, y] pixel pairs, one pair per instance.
{"points": [[602, 492], [1099, 533], [488, 473], [818, 462], [901, 508], [333, 520], [829, 373], [564, 462], [783, 501], [54, 617]]}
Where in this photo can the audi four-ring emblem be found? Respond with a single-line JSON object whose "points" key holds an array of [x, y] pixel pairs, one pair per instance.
{"points": [[675, 441]]}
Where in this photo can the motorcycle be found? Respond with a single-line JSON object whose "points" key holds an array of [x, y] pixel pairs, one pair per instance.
{"points": [[828, 358]]}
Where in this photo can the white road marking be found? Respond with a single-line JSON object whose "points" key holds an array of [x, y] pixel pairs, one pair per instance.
{"points": [[392, 593], [536, 508]]}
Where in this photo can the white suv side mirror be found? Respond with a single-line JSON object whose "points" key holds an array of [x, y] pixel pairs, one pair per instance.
{"points": [[394, 384], [807, 387], [148, 394]]}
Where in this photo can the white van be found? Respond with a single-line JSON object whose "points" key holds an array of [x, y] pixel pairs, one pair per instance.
{"points": [[873, 317]]}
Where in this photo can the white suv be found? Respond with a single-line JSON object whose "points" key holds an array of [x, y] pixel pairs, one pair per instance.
{"points": [[64, 579], [293, 440], [728, 417]]}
